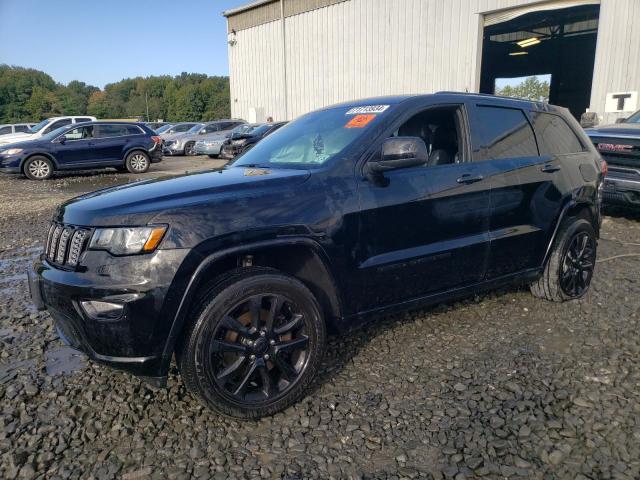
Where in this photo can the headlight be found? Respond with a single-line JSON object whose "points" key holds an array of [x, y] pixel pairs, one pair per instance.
{"points": [[11, 151], [127, 240]]}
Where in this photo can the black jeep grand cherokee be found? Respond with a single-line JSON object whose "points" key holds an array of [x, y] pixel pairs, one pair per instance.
{"points": [[353, 210]]}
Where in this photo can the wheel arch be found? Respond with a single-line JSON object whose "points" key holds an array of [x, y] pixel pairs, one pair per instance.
{"points": [[136, 148], [39, 154], [302, 258]]}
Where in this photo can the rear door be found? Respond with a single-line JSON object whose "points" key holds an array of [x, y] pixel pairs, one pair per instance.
{"points": [[111, 142], [525, 188]]}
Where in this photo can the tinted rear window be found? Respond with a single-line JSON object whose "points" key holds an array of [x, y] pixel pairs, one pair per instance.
{"points": [[505, 133], [5, 130], [555, 136], [104, 131]]}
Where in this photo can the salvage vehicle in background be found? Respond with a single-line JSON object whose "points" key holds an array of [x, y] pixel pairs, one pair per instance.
{"points": [[156, 125], [212, 144], [241, 142], [240, 272], [43, 128], [163, 128], [124, 145], [619, 145], [178, 129], [10, 128], [185, 144]]}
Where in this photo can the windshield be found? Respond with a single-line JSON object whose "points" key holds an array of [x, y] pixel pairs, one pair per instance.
{"points": [[54, 133], [195, 128], [39, 126], [313, 139], [244, 128], [635, 118], [163, 128]]}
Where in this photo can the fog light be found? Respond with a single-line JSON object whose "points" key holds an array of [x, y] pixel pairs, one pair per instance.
{"points": [[102, 310]]}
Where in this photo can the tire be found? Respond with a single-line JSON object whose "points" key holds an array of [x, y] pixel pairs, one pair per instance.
{"points": [[189, 149], [569, 270], [213, 156], [38, 168], [233, 367], [137, 162]]}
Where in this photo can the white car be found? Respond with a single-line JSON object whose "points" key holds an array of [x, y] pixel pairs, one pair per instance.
{"points": [[43, 128], [10, 128]]}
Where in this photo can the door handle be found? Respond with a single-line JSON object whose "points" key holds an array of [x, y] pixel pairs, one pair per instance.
{"points": [[550, 168], [467, 178]]}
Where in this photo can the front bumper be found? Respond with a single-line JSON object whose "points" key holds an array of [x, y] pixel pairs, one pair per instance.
{"points": [[10, 163], [622, 187], [134, 341], [173, 149], [229, 151]]}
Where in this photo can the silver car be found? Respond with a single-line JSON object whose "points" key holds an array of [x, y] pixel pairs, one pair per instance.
{"points": [[185, 144], [211, 143], [177, 129]]}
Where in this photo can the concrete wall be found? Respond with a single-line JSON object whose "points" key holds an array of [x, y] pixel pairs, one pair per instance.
{"points": [[360, 48]]}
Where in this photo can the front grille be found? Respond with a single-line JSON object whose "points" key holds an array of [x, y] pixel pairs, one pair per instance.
{"points": [[65, 244]]}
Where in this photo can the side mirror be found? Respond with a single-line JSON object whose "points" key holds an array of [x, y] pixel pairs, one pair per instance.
{"points": [[400, 152], [620, 120]]}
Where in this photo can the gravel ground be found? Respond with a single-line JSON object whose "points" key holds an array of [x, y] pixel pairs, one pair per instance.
{"points": [[498, 386]]}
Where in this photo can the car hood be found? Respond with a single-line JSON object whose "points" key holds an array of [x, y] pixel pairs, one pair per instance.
{"points": [[214, 136], [143, 202], [15, 137], [25, 144], [615, 129]]}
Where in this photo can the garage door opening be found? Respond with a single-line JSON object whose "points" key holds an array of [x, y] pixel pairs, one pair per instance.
{"points": [[558, 45]]}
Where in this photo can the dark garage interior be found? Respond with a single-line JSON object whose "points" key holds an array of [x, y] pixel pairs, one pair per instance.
{"points": [[557, 42]]}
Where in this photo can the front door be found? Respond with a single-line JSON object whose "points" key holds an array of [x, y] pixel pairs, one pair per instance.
{"points": [[74, 148], [425, 229]]}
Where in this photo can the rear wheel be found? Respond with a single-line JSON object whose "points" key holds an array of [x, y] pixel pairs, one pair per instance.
{"points": [[38, 168], [213, 156], [256, 344], [137, 162], [570, 267], [189, 149]]}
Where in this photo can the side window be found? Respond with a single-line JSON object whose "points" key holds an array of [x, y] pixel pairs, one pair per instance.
{"points": [[182, 128], [108, 131], [555, 136], [214, 127], [57, 124], [80, 133], [440, 130], [504, 133], [5, 130], [133, 130], [21, 128]]}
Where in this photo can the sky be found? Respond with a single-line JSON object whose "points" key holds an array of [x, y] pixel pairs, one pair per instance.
{"points": [[99, 42]]}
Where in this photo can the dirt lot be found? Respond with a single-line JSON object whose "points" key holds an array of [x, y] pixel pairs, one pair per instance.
{"points": [[499, 386]]}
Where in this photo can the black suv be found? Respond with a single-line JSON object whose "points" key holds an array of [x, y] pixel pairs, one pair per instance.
{"points": [[350, 211]]}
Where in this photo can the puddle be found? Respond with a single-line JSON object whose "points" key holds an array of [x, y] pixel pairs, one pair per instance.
{"points": [[9, 371], [64, 360]]}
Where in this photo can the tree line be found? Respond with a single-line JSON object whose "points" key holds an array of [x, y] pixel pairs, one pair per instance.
{"points": [[29, 95]]}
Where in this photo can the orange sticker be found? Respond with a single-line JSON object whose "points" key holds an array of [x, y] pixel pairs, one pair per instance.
{"points": [[359, 121]]}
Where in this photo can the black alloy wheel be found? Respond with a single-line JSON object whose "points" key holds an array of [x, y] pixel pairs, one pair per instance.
{"points": [[578, 264], [259, 350], [255, 345]]}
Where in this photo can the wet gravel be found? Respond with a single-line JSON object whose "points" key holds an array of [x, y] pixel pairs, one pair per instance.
{"points": [[499, 386]]}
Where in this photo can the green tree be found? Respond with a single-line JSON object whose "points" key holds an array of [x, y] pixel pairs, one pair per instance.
{"points": [[531, 89]]}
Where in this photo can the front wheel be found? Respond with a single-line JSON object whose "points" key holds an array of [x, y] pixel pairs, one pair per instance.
{"points": [[189, 149], [256, 344], [38, 168], [137, 162], [569, 270]]}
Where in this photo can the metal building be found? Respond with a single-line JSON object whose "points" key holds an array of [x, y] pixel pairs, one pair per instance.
{"points": [[288, 57]]}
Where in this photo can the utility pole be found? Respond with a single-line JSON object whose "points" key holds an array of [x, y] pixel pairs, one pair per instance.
{"points": [[146, 100]]}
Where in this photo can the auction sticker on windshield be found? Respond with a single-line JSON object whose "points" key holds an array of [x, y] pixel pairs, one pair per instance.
{"points": [[367, 109], [359, 121]]}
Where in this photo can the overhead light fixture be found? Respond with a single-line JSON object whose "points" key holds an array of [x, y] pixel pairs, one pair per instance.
{"points": [[516, 54], [528, 42]]}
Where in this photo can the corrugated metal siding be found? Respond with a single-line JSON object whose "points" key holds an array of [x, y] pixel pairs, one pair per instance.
{"points": [[361, 48], [617, 66]]}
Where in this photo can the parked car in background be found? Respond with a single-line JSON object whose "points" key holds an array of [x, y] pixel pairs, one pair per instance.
{"points": [[163, 128], [185, 144], [43, 128], [182, 144], [177, 129], [10, 128], [634, 118], [126, 146], [347, 213], [239, 143], [212, 144], [619, 145]]}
